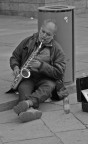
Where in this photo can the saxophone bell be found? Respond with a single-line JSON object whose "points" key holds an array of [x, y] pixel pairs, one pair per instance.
{"points": [[25, 73]]}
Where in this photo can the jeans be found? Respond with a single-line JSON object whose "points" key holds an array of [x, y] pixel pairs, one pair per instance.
{"points": [[36, 89]]}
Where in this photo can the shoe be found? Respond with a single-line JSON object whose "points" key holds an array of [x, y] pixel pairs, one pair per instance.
{"points": [[22, 107], [66, 105], [29, 115]]}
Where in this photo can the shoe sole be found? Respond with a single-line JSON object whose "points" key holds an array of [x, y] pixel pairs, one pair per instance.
{"points": [[29, 116]]}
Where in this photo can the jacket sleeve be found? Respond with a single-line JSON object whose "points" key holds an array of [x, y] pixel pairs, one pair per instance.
{"points": [[57, 68], [15, 59]]}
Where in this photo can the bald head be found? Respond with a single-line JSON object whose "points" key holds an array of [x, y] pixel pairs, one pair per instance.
{"points": [[47, 31], [50, 25]]}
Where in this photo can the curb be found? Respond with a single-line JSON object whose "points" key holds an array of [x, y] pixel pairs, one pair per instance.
{"points": [[9, 104]]}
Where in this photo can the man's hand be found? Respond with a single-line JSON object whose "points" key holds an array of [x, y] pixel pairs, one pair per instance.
{"points": [[16, 71], [34, 64]]}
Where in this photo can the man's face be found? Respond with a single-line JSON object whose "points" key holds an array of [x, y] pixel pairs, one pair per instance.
{"points": [[46, 33]]}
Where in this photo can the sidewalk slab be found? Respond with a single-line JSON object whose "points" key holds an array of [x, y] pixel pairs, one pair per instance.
{"points": [[76, 108], [82, 117], [7, 101], [58, 121], [46, 140], [52, 127], [1, 141], [10, 132], [78, 113], [74, 137], [8, 117], [49, 106]]}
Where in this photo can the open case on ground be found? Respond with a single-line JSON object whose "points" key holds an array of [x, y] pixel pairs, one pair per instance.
{"points": [[82, 92]]}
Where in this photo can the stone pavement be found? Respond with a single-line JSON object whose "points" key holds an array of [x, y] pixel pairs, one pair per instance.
{"points": [[54, 127]]}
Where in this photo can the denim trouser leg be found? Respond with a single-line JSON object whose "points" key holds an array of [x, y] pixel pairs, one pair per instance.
{"points": [[42, 92], [25, 89]]}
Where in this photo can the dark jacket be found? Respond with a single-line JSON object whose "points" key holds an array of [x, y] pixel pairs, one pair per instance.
{"points": [[55, 70]]}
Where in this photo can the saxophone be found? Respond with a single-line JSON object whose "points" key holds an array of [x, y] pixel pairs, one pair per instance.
{"points": [[25, 72]]}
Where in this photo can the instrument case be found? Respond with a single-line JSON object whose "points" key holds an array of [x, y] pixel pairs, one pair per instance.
{"points": [[82, 84]]}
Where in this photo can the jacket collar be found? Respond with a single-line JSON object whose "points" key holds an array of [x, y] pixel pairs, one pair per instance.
{"points": [[33, 40], [46, 45]]}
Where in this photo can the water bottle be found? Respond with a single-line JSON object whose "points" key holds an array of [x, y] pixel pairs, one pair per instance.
{"points": [[66, 105]]}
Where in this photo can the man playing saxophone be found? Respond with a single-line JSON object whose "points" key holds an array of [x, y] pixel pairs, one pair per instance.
{"points": [[46, 68]]}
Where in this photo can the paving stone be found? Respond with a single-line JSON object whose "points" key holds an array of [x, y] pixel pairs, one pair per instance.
{"points": [[83, 57], [49, 107], [17, 37], [11, 32], [76, 108], [79, 114], [82, 65], [74, 137], [73, 98], [8, 117], [6, 76], [23, 131], [46, 140], [5, 85], [1, 141], [82, 116], [7, 101], [59, 121]]}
